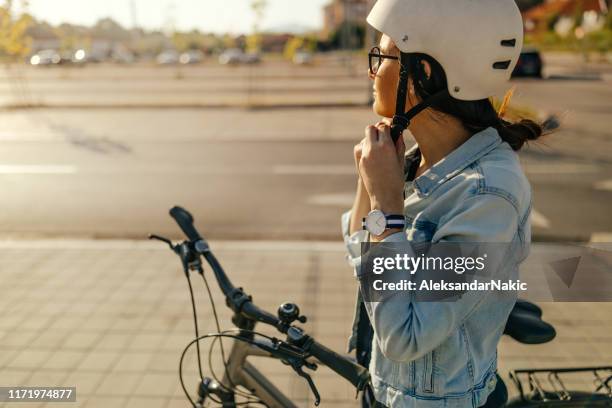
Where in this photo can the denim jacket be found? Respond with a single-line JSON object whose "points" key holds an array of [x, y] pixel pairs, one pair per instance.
{"points": [[444, 354]]}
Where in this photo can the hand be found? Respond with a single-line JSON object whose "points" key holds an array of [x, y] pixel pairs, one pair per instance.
{"points": [[358, 149], [381, 167]]}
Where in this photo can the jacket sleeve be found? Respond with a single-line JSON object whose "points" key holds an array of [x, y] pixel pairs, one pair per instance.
{"points": [[353, 242], [406, 330]]}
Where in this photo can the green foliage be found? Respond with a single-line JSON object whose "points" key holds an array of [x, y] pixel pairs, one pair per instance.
{"points": [[348, 36], [192, 40], [600, 41], [14, 41], [297, 44], [253, 43], [597, 41]]}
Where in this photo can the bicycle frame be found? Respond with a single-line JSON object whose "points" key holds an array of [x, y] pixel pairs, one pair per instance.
{"points": [[242, 372]]}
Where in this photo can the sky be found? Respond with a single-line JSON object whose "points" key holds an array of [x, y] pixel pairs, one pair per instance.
{"points": [[219, 16]]}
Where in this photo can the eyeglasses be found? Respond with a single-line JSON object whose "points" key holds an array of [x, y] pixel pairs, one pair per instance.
{"points": [[376, 59]]}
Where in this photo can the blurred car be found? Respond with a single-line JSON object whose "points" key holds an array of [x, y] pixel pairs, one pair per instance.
{"points": [[79, 57], [46, 57], [303, 58], [169, 57], [251, 58], [529, 64], [191, 57], [231, 56], [122, 56], [237, 56]]}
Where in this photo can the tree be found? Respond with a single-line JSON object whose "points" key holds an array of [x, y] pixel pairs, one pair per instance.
{"points": [[348, 36], [254, 40], [298, 43], [14, 41], [193, 40]]}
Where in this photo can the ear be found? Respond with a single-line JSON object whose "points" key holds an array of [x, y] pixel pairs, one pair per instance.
{"points": [[426, 68]]}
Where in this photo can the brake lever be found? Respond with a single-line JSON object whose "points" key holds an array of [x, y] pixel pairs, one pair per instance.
{"points": [[162, 239], [297, 367]]}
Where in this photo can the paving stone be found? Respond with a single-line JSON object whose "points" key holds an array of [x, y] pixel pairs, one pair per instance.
{"points": [[116, 334], [118, 384], [64, 360]]}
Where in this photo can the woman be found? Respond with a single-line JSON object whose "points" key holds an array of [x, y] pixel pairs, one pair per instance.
{"points": [[462, 182]]}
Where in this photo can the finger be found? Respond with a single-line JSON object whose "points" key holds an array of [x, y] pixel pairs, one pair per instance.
{"points": [[384, 135], [401, 149], [371, 136], [358, 149], [400, 144]]}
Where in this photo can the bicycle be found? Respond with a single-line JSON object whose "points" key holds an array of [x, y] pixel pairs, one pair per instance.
{"points": [[299, 350]]}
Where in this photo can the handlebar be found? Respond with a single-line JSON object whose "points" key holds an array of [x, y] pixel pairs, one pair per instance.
{"points": [[352, 372], [242, 304], [185, 220]]}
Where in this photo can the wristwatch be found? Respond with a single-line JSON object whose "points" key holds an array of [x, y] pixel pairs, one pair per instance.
{"points": [[377, 222]]}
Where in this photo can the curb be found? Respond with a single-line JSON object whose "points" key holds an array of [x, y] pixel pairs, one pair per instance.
{"points": [[253, 106]]}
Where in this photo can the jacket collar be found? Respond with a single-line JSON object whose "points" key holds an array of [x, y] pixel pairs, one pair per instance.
{"points": [[465, 155]]}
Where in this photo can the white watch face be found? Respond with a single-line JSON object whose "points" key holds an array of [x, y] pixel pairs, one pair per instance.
{"points": [[376, 223]]}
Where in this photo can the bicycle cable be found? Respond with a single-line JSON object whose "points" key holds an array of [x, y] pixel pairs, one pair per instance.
{"points": [[233, 388], [223, 357], [216, 335], [195, 322]]}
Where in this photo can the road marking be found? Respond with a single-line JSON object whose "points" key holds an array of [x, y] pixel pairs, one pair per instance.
{"points": [[37, 169], [564, 168], [601, 237], [539, 220], [603, 185], [332, 200], [314, 169]]}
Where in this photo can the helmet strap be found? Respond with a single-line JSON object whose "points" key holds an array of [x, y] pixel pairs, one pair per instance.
{"points": [[398, 126], [402, 119]]}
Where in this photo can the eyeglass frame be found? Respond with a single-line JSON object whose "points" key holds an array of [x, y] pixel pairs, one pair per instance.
{"points": [[380, 57]]}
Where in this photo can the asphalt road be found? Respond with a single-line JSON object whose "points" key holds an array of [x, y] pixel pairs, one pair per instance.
{"points": [[275, 173]]}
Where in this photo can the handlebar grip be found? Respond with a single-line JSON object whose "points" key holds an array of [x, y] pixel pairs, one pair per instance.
{"points": [[354, 373], [185, 220]]}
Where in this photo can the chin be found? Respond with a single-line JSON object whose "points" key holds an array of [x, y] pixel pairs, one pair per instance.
{"points": [[381, 111], [384, 113], [376, 108]]}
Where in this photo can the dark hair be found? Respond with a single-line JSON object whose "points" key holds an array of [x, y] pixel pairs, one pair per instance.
{"points": [[474, 115]]}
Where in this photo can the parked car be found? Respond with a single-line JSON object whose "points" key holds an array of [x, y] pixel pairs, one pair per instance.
{"points": [[237, 56], [46, 57], [79, 57], [231, 56], [251, 58], [302, 58], [529, 64], [169, 57], [122, 56], [191, 57]]}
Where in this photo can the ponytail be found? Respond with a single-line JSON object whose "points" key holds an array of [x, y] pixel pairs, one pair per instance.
{"points": [[519, 133]]}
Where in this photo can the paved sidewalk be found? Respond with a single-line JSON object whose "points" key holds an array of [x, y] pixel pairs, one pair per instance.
{"points": [[112, 317]]}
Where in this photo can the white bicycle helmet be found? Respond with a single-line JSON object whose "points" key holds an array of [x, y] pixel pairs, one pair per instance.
{"points": [[477, 43]]}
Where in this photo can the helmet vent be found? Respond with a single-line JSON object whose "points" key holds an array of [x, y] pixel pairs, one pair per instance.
{"points": [[509, 43], [502, 64]]}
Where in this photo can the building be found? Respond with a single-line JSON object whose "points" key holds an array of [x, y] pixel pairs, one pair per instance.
{"points": [[340, 11], [561, 16]]}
